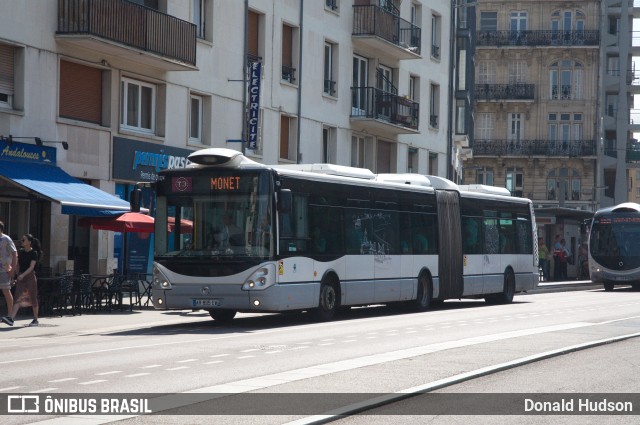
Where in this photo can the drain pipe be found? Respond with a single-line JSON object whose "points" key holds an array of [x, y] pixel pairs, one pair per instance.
{"points": [[298, 154]]}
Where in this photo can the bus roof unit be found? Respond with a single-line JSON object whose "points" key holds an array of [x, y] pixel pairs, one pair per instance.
{"points": [[331, 169], [482, 188]]}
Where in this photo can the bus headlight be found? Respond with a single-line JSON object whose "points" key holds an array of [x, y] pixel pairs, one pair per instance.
{"points": [[160, 281], [261, 279]]}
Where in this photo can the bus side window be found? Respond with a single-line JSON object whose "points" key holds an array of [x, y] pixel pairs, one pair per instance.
{"points": [[470, 235]]}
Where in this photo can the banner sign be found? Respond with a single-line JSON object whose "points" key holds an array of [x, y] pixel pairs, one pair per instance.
{"points": [[255, 71]]}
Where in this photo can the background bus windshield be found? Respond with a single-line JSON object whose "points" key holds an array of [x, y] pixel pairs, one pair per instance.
{"points": [[617, 236]]}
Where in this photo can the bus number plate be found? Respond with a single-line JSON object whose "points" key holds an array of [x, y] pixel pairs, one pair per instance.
{"points": [[211, 302]]}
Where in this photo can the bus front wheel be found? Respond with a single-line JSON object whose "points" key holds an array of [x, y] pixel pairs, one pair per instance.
{"points": [[222, 316], [328, 303]]}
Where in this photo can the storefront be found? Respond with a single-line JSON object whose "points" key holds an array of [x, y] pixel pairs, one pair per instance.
{"points": [[133, 162], [38, 197]]}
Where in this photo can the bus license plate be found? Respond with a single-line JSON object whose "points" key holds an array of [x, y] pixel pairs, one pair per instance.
{"points": [[211, 302]]}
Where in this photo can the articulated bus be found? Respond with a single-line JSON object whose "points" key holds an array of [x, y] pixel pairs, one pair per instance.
{"points": [[614, 246], [323, 237]]}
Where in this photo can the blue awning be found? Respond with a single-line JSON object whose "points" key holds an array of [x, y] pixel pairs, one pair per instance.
{"points": [[53, 183]]}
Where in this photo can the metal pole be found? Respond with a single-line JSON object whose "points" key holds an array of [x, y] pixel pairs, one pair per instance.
{"points": [[243, 121], [298, 154]]}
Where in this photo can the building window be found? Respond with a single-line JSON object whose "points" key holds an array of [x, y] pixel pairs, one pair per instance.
{"points": [[289, 53], [515, 130], [517, 24], [435, 36], [514, 179], [412, 160], [485, 126], [434, 105], [329, 145], [386, 157], [7, 83], [198, 11], [80, 92], [461, 112], [138, 105], [486, 72], [253, 36], [565, 127], [330, 68], [288, 131], [518, 72], [195, 121], [433, 164], [333, 5], [362, 152], [488, 21], [563, 181], [566, 79], [484, 176]]}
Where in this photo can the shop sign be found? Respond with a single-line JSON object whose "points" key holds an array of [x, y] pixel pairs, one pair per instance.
{"points": [[141, 161], [25, 152]]}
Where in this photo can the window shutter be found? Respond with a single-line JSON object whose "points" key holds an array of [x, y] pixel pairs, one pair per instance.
{"points": [[80, 92], [287, 41], [6, 69], [253, 31]]}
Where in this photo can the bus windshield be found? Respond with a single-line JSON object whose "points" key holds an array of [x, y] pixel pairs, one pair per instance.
{"points": [[616, 236], [220, 215]]}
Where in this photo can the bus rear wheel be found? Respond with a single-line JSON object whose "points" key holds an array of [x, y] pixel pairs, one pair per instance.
{"points": [[328, 303], [423, 300], [222, 316], [608, 286], [508, 290]]}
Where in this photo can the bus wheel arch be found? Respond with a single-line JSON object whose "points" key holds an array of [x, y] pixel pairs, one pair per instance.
{"points": [[424, 295], [222, 316], [329, 297], [509, 287]]}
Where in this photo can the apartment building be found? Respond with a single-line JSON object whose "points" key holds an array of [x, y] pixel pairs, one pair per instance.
{"points": [[620, 157], [110, 92]]}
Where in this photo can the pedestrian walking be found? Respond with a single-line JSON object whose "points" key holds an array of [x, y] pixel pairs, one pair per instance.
{"points": [[26, 283], [8, 266]]}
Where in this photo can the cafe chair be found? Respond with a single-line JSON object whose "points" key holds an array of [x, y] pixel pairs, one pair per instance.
{"points": [[66, 296], [85, 296]]}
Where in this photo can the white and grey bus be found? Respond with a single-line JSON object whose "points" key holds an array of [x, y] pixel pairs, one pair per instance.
{"points": [[614, 246], [322, 237]]}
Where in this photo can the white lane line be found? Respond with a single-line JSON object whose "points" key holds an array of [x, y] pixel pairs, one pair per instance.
{"points": [[178, 368], [327, 340], [9, 389], [43, 390], [273, 352], [333, 343], [410, 332], [97, 381], [135, 375], [302, 347], [245, 357], [151, 366], [219, 355], [62, 380], [214, 362], [250, 350], [108, 373], [354, 340], [187, 361]]}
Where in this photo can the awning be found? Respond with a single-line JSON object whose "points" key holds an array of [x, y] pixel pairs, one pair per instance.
{"points": [[53, 183]]}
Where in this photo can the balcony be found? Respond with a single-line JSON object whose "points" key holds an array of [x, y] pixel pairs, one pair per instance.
{"points": [[546, 148], [288, 74], [385, 111], [489, 92], [551, 38], [119, 28], [385, 34]]}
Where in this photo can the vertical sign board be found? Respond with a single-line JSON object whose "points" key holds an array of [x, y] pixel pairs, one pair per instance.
{"points": [[254, 103]]}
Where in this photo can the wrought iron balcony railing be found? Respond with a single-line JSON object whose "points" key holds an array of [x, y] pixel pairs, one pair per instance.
{"points": [[370, 102], [433, 121], [504, 91], [547, 148], [377, 21], [130, 24], [539, 38]]}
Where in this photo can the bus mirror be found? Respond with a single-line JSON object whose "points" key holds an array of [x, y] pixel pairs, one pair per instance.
{"points": [[134, 199], [284, 200]]}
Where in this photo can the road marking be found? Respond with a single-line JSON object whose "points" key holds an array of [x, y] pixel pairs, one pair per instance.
{"points": [[219, 355], [302, 347], [43, 390], [245, 357], [187, 361], [332, 343], [273, 352], [135, 375], [62, 380], [150, 366], [250, 350], [97, 381], [9, 388], [354, 340], [108, 373], [178, 368], [214, 362]]}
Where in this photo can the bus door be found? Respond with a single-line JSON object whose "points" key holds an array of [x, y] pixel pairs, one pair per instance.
{"points": [[492, 266], [387, 262], [360, 247], [450, 266]]}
